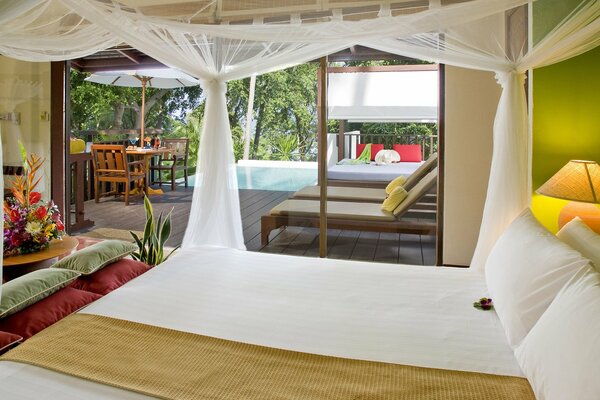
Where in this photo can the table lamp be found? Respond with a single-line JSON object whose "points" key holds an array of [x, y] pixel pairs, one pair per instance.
{"points": [[578, 181]]}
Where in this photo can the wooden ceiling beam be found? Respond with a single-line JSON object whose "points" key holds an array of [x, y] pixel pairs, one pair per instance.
{"points": [[214, 12], [115, 63], [129, 55]]}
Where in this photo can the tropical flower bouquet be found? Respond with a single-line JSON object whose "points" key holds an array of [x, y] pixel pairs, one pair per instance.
{"points": [[29, 223]]}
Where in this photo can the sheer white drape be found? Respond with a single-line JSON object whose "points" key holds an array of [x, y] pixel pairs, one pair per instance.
{"points": [[48, 30], [220, 41], [216, 206]]}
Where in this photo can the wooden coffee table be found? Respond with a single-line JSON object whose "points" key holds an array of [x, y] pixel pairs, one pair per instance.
{"points": [[15, 266]]}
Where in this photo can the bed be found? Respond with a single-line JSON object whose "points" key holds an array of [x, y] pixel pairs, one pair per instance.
{"points": [[331, 307], [371, 172]]}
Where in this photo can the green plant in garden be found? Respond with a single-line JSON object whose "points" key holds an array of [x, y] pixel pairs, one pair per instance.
{"points": [[284, 147], [156, 233]]}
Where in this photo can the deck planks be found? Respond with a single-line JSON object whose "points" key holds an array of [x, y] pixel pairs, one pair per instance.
{"points": [[301, 241]]}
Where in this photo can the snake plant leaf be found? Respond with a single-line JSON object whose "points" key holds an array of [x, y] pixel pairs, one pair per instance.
{"points": [[166, 229], [156, 233], [148, 208]]}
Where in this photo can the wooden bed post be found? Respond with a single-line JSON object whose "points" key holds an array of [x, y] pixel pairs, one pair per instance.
{"points": [[322, 154]]}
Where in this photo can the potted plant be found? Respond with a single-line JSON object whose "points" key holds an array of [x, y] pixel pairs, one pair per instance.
{"points": [[151, 244], [30, 224]]}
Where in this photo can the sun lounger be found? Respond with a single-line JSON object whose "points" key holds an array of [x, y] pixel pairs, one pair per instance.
{"points": [[356, 216], [366, 195]]}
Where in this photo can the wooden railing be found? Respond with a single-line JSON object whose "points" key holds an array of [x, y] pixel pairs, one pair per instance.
{"points": [[429, 143]]}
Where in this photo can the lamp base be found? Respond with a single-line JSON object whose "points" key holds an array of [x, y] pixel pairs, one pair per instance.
{"points": [[588, 212]]}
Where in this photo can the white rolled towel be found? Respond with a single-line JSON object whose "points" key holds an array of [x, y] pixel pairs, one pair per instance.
{"points": [[387, 157]]}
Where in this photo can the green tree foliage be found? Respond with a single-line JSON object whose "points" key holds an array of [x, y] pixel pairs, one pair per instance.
{"points": [[95, 106], [191, 129], [284, 112]]}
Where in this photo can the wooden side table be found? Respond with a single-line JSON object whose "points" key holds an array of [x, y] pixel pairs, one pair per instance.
{"points": [[15, 266]]}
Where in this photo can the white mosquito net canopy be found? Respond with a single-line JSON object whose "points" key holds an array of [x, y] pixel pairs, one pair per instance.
{"points": [[220, 40]]}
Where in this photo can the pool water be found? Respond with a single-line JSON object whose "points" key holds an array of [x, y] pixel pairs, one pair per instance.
{"points": [[273, 178]]}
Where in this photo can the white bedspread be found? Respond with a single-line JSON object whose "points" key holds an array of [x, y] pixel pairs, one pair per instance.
{"points": [[371, 172], [402, 314]]}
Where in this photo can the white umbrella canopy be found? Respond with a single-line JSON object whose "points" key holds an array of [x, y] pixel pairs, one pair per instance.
{"points": [[161, 78]]}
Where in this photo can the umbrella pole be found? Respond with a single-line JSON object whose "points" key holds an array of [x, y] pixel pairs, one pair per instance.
{"points": [[142, 144]]}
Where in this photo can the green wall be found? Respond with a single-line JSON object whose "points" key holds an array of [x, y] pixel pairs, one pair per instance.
{"points": [[548, 13], [566, 123]]}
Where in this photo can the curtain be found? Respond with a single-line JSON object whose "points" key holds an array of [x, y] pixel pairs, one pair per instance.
{"points": [[217, 41]]}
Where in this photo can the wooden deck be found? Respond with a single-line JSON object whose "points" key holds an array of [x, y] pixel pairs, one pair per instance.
{"points": [[353, 245]]}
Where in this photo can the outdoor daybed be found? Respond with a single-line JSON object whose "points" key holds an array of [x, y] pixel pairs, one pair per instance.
{"points": [[367, 195], [353, 215], [369, 174]]}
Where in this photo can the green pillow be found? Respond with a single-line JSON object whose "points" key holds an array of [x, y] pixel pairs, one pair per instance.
{"points": [[33, 287], [93, 258]]}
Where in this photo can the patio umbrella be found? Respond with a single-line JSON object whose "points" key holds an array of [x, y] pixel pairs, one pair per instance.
{"points": [[162, 78]]}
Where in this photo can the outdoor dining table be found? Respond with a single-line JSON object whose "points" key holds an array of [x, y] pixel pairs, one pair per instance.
{"points": [[146, 155]]}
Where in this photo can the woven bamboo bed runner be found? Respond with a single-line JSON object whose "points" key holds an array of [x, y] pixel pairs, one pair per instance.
{"points": [[171, 364]]}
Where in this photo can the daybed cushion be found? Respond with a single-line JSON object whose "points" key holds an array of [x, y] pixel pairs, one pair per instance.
{"points": [[409, 152], [583, 239], [335, 209], [375, 148], [399, 181], [110, 277], [525, 270], [560, 355], [32, 287], [343, 193], [46, 312], [97, 256], [7, 340], [398, 195]]}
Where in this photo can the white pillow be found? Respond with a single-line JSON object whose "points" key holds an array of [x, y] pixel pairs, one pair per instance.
{"points": [[387, 157], [524, 271], [582, 238], [560, 356]]}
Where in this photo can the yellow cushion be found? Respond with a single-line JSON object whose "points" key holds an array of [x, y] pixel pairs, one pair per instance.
{"points": [[399, 181], [77, 146], [394, 199]]}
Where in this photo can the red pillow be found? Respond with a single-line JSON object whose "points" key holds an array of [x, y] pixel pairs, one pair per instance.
{"points": [[8, 340], [45, 312], [409, 152], [110, 277], [375, 148]]}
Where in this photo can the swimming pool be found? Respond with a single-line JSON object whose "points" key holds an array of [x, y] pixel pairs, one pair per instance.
{"points": [[273, 177]]}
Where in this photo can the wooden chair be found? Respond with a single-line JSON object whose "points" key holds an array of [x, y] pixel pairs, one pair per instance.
{"points": [[111, 165], [177, 159]]}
